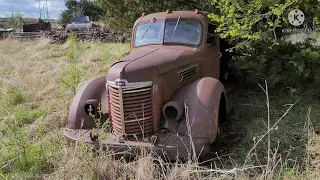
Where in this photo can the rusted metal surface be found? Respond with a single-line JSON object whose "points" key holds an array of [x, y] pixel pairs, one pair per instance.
{"points": [[140, 84], [32, 31], [202, 99], [169, 145], [131, 108], [173, 110], [36, 27], [94, 89]]}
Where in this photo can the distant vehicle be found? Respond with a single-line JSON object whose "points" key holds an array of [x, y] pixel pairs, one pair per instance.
{"points": [[80, 23], [165, 95]]}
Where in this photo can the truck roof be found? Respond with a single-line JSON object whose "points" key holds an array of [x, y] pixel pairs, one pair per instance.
{"points": [[201, 16]]}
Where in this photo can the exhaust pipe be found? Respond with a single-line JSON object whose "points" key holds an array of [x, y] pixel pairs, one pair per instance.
{"points": [[173, 110]]}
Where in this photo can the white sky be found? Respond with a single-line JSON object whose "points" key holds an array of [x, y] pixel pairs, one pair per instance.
{"points": [[30, 8]]}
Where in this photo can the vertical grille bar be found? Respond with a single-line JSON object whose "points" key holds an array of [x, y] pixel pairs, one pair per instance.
{"points": [[122, 111], [131, 108]]}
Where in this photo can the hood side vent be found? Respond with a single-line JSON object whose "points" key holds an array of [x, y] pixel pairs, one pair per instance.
{"points": [[187, 73]]}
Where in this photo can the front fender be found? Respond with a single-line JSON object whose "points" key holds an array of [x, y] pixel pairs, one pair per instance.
{"points": [[201, 99], [92, 93]]}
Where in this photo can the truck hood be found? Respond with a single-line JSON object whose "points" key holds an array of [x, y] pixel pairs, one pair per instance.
{"points": [[150, 62], [164, 59]]}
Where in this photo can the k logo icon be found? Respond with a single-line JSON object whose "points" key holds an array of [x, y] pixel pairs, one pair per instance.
{"points": [[296, 17]]}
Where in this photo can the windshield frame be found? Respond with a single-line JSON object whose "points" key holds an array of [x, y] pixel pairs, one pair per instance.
{"points": [[163, 36]]}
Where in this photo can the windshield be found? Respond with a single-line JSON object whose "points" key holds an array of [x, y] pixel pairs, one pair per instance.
{"points": [[183, 31], [175, 31], [149, 34]]}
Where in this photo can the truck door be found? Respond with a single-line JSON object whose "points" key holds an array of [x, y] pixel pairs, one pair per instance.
{"points": [[212, 62]]}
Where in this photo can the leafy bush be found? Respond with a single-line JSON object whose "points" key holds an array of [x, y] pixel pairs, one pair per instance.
{"points": [[254, 20], [286, 64], [255, 26]]}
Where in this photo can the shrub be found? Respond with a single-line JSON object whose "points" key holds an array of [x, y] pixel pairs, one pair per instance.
{"points": [[285, 65]]}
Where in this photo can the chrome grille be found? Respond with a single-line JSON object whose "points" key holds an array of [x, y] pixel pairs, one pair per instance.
{"points": [[131, 108]]}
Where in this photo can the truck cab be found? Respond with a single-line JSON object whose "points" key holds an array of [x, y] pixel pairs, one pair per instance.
{"points": [[165, 95]]}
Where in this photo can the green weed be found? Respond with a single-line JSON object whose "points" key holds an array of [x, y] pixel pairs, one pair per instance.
{"points": [[26, 115], [72, 76], [102, 125], [15, 98]]}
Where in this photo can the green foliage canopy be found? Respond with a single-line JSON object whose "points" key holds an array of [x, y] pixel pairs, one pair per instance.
{"points": [[258, 19], [121, 14], [262, 50], [81, 8]]}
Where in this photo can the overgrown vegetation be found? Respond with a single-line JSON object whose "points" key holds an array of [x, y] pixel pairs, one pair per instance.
{"points": [[286, 65], [81, 8], [262, 50], [33, 107], [273, 133], [255, 20], [33, 111]]}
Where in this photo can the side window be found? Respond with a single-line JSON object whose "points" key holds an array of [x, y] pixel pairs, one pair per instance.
{"points": [[211, 37]]}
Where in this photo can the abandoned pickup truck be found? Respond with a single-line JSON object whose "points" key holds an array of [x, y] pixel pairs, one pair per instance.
{"points": [[165, 95]]}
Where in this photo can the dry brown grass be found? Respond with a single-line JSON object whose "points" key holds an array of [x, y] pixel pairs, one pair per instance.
{"points": [[35, 69]]}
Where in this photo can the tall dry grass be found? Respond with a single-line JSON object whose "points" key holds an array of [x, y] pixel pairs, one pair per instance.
{"points": [[32, 70]]}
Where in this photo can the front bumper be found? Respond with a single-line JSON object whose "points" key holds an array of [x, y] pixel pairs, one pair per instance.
{"points": [[169, 145]]}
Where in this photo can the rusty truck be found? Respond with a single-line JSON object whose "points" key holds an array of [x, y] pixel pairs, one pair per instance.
{"points": [[165, 95]]}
